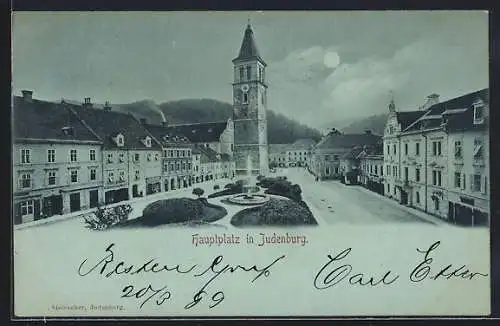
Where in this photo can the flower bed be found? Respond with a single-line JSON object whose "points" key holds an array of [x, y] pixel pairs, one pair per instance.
{"points": [[106, 217], [276, 212], [177, 210]]}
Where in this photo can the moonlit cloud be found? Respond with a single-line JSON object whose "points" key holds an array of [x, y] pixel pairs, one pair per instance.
{"points": [[324, 69]]}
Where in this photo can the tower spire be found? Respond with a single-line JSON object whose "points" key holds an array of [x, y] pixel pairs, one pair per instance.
{"points": [[248, 49]]}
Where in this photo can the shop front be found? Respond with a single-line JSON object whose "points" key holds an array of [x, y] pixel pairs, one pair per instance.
{"points": [[153, 185], [466, 212]]}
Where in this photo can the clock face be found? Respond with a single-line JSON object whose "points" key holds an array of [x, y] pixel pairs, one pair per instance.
{"points": [[245, 88]]}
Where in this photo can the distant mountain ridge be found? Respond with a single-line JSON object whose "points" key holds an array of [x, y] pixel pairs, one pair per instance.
{"points": [[281, 129], [375, 123]]}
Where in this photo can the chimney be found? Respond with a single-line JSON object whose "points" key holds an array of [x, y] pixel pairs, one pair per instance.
{"points": [[87, 103], [431, 100], [27, 95], [107, 107], [143, 121], [368, 131]]}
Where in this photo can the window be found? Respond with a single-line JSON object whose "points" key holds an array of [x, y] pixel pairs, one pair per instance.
{"points": [[148, 142], [387, 170], [136, 157], [458, 149], [417, 174], [25, 156], [406, 148], [177, 153], [476, 182], [156, 156], [189, 166], [434, 178], [438, 174], [436, 148], [458, 179], [376, 171], [417, 149], [395, 171], [417, 197], [51, 155], [245, 98], [149, 156], [406, 173], [388, 188], [242, 73], [119, 140], [394, 149], [122, 175], [111, 176], [171, 166], [478, 114], [249, 73], [183, 165], [74, 176], [177, 166], [110, 157], [93, 174], [327, 157], [122, 157], [25, 180], [388, 149], [171, 153], [27, 207], [137, 174], [232, 147], [72, 155], [478, 149], [394, 190], [382, 170], [92, 154], [51, 178], [436, 204]]}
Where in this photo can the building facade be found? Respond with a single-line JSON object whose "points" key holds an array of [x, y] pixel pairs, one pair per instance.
{"points": [[331, 157], [372, 170], [429, 157], [132, 165], [57, 166], [297, 154], [249, 108]]}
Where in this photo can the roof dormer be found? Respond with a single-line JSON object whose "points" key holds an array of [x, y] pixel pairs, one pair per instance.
{"points": [[147, 141], [479, 113], [119, 140]]}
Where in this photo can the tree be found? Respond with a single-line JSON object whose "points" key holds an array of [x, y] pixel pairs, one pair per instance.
{"points": [[198, 192]]}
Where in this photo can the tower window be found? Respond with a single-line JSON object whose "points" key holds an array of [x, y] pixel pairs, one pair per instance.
{"points": [[245, 98], [242, 73], [249, 73]]}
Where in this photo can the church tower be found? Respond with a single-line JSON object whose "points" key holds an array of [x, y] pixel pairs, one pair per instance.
{"points": [[249, 108]]}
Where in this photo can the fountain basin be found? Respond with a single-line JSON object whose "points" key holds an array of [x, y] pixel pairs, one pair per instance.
{"points": [[249, 199], [250, 189]]}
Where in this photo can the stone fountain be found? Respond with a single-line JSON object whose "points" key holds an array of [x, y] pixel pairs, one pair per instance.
{"points": [[250, 189]]}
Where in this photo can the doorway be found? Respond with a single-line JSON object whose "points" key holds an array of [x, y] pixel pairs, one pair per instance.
{"points": [[94, 198], [74, 202]]}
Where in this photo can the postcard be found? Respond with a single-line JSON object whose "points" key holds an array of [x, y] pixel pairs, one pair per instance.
{"points": [[250, 164]]}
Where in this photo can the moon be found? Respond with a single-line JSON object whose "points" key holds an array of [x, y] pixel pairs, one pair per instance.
{"points": [[331, 59]]}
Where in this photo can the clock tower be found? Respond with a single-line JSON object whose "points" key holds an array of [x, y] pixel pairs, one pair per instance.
{"points": [[249, 109]]}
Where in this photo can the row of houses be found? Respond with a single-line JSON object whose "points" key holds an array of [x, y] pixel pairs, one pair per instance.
{"points": [[435, 158], [297, 154], [69, 157]]}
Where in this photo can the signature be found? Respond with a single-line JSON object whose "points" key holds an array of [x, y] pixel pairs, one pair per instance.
{"points": [[424, 270], [108, 266]]}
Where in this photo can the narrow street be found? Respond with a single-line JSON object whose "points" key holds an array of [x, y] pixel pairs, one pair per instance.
{"points": [[339, 203]]}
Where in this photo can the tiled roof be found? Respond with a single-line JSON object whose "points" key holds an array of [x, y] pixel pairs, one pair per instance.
{"points": [[208, 154], [461, 102], [248, 48], [107, 124], [45, 120], [334, 140], [278, 148], [405, 118], [166, 136], [200, 132]]}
